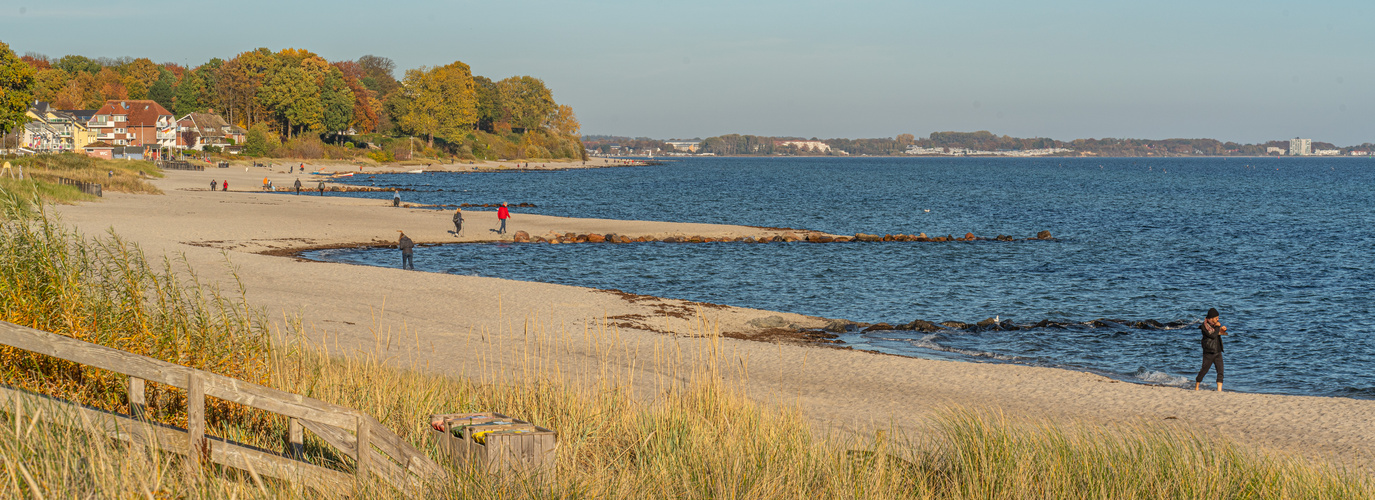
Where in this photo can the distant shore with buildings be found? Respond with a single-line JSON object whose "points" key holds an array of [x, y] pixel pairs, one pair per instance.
{"points": [[980, 143]]}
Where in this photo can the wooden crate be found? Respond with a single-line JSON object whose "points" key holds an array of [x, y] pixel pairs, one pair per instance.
{"points": [[499, 452]]}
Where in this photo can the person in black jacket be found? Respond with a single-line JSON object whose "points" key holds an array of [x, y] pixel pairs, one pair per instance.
{"points": [[458, 222], [1212, 347], [407, 247]]}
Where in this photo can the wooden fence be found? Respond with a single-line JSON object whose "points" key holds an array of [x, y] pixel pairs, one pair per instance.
{"points": [[382, 451], [90, 188], [179, 165]]}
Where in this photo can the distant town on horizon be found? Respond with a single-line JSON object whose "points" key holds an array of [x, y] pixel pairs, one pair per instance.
{"points": [[981, 143]]}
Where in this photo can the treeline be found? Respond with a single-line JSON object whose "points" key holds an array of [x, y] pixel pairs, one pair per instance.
{"points": [[295, 94], [737, 144]]}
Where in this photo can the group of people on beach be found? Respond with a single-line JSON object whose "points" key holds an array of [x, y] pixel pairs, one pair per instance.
{"points": [[407, 246]]}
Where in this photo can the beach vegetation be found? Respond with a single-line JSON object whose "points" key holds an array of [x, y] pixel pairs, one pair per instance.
{"points": [[695, 434], [43, 176]]}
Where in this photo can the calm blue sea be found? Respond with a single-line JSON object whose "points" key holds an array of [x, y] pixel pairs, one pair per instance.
{"points": [[1282, 247]]}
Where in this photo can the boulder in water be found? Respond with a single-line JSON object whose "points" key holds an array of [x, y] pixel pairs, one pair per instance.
{"points": [[1044, 235], [922, 326]]}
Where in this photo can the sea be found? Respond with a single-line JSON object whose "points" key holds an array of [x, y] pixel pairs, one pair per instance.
{"points": [[1284, 248]]}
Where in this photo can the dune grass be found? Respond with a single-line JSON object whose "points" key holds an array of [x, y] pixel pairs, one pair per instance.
{"points": [[41, 173], [698, 436]]}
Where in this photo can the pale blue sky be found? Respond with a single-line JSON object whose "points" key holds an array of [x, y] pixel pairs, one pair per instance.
{"points": [[1232, 70]]}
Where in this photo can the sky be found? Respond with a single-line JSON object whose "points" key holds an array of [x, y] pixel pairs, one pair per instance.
{"points": [[1244, 71]]}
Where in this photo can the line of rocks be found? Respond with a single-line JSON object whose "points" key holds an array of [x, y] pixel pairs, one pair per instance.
{"points": [[810, 237], [994, 324]]}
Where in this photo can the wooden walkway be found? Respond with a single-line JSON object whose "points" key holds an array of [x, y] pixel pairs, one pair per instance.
{"points": [[346, 429]]}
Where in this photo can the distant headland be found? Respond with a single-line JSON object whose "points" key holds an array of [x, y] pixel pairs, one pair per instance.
{"points": [[981, 143]]}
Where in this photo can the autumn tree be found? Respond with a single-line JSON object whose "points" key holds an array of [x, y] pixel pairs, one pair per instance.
{"points": [[39, 62], [526, 101], [563, 121], [48, 82], [16, 89], [110, 86], [440, 101], [293, 97]]}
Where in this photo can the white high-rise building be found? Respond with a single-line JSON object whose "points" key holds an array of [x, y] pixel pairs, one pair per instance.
{"points": [[1300, 147]]}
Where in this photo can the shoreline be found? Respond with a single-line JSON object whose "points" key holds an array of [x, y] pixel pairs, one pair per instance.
{"points": [[845, 390]]}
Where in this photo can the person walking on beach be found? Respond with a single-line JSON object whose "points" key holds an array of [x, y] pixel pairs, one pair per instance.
{"points": [[213, 184], [1212, 347], [502, 215], [298, 186], [322, 188], [458, 222], [407, 249], [226, 185], [395, 198]]}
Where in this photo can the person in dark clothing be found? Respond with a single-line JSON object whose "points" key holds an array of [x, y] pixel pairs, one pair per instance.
{"points": [[1212, 347], [298, 187], [396, 198], [213, 184], [458, 222], [322, 188], [407, 249]]}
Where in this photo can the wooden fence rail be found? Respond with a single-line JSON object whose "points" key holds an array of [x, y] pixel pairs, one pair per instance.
{"points": [[90, 188], [386, 454]]}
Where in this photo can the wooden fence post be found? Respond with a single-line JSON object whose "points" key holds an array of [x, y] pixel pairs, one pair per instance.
{"points": [[138, 402], [195, 426], [364, 447], [296, 436]]}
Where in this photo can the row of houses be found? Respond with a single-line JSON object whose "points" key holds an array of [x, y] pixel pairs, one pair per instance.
{"points": [[123, 128]]}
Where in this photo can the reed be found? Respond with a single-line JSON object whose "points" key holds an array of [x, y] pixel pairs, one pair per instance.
{"points": [[696, 436]]}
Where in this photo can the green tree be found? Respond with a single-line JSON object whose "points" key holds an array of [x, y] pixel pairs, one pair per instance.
{"points": [[293, 97], [164, 90], [74, 64], [378, 74], [16, 90], [441, 102], [188, 94], [527, 102], [489, 107], [260, 141], [337, 101]]}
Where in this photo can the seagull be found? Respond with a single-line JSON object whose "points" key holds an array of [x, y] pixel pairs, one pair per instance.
{"points": [[927, 210]]}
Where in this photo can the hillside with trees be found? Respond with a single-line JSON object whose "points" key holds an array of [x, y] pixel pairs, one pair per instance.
{"points": [[295, 103]]}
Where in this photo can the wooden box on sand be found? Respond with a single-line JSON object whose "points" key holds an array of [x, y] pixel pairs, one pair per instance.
{"points": [[494, 441]]}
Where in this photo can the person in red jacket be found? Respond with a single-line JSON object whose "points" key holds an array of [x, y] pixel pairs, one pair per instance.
{"points": [[503, 214], [226, 185]]}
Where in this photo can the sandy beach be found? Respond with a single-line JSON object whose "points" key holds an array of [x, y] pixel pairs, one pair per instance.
{"points": [[349, 308]]}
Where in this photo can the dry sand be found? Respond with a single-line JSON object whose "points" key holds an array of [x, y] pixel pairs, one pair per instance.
{"points": [[459, 325]]}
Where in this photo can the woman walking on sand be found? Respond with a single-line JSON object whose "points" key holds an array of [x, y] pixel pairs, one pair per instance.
{"points": [[1212, 347], [458, 221]]}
